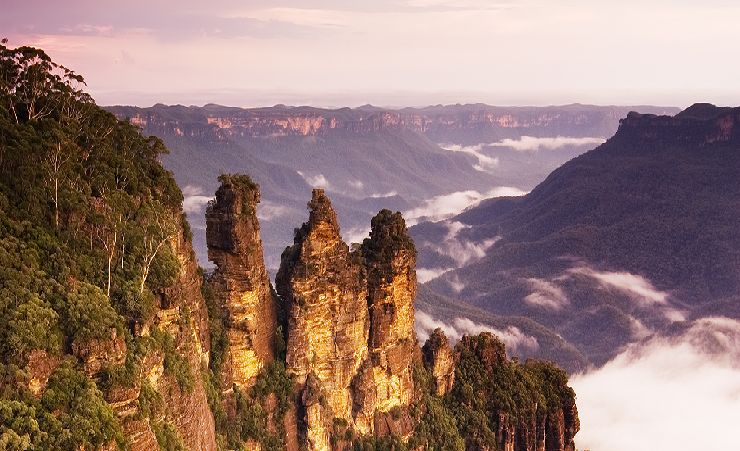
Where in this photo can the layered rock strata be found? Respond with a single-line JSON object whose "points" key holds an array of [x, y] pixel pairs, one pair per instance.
{"points": [[323, 288], [387, 380], [240, 282]]}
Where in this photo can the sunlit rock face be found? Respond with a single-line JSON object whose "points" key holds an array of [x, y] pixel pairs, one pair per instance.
{"points": [[240, 282], [324, 291], [439, 359], [387, 381], [350, 319]]}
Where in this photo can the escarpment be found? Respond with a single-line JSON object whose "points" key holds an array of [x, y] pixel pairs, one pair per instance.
{"points": [[240, 283]]}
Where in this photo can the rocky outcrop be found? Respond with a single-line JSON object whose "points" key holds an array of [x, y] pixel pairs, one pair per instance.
{"points": [[387, 381], [699, 125], [350, 324], [439, 359], [351, 348], [533, 410], [323, 288], [95, 354], [240, 282]]}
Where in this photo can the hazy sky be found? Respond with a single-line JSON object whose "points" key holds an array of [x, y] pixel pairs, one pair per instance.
{"points": [[390, 52]]}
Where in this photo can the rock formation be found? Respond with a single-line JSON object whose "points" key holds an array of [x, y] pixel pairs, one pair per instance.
{"points": [[350, 323], [439, 359], [387, 381], [348, 320], [240, 282], [324, 292]]}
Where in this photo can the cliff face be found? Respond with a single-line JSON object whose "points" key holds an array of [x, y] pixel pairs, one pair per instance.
{"points": [[387, 382], [216, 122], [181, 313], [240, 282], [350, 324], [324, 292], [699, 125]]}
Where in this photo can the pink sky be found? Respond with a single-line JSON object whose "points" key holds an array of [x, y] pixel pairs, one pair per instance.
{"points": [[390, 52]]}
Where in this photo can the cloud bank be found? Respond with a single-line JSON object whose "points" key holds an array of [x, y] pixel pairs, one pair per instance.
{"points": [[424, 275], [462, 251], [193, 200], [315, 181], [678, 394], [638, 288], [267, 210], [545, 294], [513, 337], [448, 205], [531, 143], [485, 163]]}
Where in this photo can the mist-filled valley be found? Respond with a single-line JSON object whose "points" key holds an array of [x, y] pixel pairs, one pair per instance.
{"points": [[591, 275], [398, 225]]}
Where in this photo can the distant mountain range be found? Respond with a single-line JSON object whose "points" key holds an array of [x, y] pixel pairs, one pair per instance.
{"points": [[426, 162], [630, 238]]}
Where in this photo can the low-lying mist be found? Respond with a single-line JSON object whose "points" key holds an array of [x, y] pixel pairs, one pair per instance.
{"points": [[678, 394]]}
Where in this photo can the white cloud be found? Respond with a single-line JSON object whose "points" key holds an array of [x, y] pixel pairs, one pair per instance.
{"points": [[455, 283], [545, 294], [460, 250], [424, 325], [448, 205], [356, 234], [485, 163], [637, 287], [679, 394], [388, 194], [424, 275], [356, 184], [193, 200], [316, 181], [531, 143], [267, 210], [512, 336]]}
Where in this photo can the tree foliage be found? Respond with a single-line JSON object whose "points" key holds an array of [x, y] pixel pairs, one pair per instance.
{"points": [[88, 216]]}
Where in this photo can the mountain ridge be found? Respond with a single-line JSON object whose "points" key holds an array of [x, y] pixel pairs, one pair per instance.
{"points": [[642, 218]]}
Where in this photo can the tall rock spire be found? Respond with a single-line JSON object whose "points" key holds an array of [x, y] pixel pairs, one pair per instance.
{"points": [[240, 282], [387, 381], [324, 292]]}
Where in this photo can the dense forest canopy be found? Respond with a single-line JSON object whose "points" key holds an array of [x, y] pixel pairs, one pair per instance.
{"points": [[86, 215]]}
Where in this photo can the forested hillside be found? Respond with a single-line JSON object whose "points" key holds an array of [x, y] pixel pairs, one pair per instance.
{"points": [[92, 248]]}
